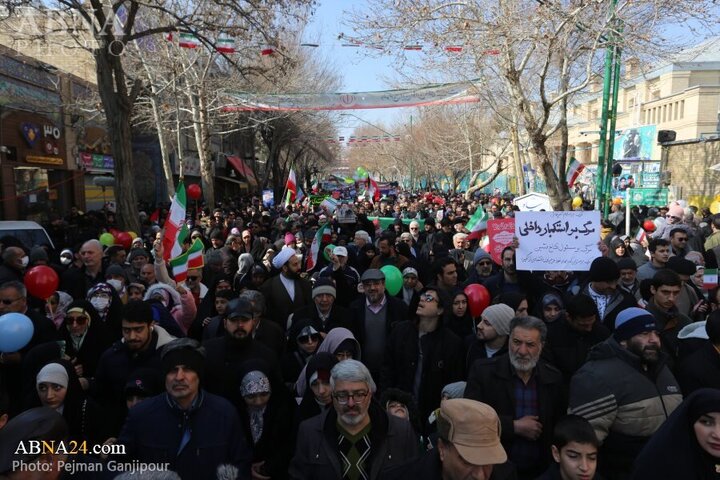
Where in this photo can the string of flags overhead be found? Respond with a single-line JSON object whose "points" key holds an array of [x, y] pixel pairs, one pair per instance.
{"points": [[227, 45], [363, 140]]}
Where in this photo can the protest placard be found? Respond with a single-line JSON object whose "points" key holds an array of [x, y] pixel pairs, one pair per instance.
{"points": [[557, 240], [500, 231]]}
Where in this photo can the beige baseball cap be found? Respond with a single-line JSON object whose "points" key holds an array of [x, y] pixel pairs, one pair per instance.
{"points": [[474, 428]]}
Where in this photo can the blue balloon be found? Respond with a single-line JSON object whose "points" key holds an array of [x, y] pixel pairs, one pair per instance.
{"points": [[16, 330]]}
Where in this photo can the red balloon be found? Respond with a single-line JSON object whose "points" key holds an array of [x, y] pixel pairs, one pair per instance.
{"points": [[124, 239], [194, 191], [41, 281], [649, 226], [478, 299]]}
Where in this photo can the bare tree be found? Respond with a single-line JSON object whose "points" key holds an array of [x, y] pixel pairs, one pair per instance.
{"points": [[540, 54], [111, 27]]}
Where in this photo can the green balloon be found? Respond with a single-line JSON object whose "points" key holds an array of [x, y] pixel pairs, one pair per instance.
{"points": [[107, 239], [393, 279], [327, 249]]}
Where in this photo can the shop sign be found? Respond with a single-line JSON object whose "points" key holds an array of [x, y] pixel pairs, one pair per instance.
{"points": [[44, 160], [96, 161]]}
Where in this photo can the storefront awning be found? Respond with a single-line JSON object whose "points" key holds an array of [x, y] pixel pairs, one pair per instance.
{"points": [[243, 169], [232, 180]]}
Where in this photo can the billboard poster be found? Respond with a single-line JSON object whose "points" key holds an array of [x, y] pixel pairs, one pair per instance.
{"points": [[635, 143]]}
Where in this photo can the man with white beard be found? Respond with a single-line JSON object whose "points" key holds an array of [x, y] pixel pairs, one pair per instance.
{"points": [[527, 393]]}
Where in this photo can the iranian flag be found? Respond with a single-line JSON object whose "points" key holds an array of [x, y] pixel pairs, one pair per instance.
{"points": [[193, 258], [188, 40], [175, 226], [573, 172], [225, 45], [640, 236], [710, 278], [477, 223], [291, 185], [322, 236], [373, 190]]}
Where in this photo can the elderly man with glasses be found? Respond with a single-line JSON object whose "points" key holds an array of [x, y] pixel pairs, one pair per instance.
{"points": [[354, 439]]}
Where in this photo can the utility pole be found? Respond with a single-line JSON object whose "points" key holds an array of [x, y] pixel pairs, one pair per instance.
{"points": [[612, 63]]}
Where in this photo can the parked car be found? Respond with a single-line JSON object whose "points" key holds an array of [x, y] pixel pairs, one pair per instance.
{"points": [[29, 233]]}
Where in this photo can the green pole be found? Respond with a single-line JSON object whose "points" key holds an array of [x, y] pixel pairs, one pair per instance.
{"points": [[611, 133], [602, 147]]}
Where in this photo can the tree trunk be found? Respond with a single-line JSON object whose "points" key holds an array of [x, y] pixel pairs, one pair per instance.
{"points": [[118, 108], [202, 141], [162, 140], [518, 160]]}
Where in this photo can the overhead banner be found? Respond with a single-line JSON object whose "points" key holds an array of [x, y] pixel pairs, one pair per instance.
{"points": [[448, 93]]}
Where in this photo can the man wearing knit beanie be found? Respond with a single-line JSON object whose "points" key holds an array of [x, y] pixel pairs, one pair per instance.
{"points": [[176, 427], [492, 333], [625, 390]]}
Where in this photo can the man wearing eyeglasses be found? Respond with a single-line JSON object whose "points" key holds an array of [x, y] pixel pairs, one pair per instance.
{"points": [[354, 439], [422, 355]]}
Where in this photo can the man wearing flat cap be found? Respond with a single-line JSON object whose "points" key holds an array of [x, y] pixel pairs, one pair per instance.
{"points": [[286, 292], [468, 446], [193, 430]]}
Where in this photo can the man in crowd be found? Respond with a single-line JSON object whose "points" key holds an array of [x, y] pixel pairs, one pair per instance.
{"points": [[388, 255], [604, 276], [527, 393], [468, 446], [14, 262], [679, 242], [78, 281], [193, 430], [373, 315], [139, 347], [355, 438], [324, 311], [286, 292], [625, 390], [345, 277], [574, 450], [659, 255], [446, 274], [226, 354], [665, 289], [422, 355], [491, 338], [570, 339]]}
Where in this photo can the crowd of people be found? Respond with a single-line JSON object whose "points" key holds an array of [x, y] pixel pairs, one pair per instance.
{"points": [[257, 366]]}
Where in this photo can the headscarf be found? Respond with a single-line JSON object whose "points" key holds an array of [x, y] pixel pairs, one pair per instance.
{"points": [[58, 316], [99, 289], [673, 451], [252, 383]]}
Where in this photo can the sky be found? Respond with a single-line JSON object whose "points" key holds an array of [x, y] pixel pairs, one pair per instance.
{"points": [[358, 71]]}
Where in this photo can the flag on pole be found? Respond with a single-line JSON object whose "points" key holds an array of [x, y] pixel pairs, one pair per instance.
{"points": [[193, 258], [477, 223], [640, 236], [710, 278], [175, 226], [291, 185], [373, 191], [315, 186], [573, 172], [322, 236], [188, 40]]}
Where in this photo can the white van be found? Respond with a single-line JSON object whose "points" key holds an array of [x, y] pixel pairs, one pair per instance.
{"points": [[30, 234]]}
